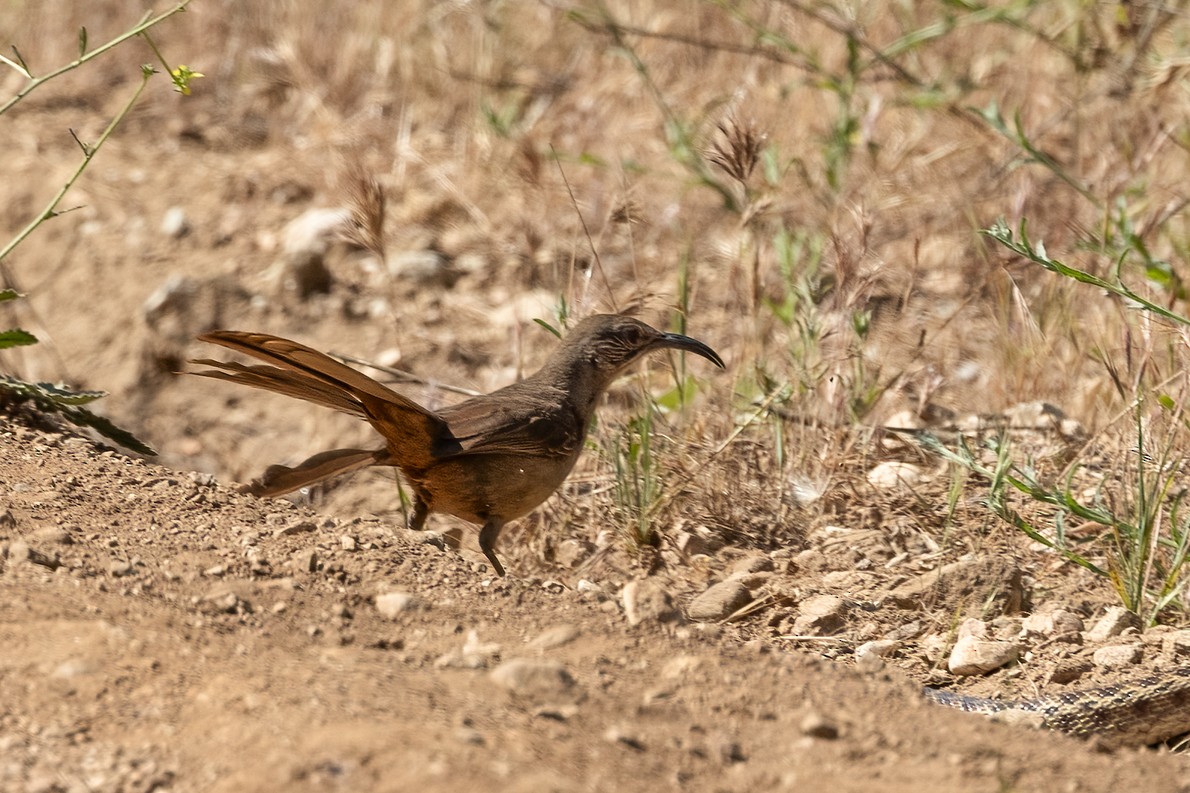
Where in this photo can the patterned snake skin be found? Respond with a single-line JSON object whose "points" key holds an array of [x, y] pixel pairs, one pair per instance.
{"points": [[1135, 713]]}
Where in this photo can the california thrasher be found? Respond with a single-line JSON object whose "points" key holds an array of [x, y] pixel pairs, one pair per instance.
{"points": [[487, 460]]}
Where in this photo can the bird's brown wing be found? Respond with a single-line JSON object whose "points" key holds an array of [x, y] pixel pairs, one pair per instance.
{"points": [[514, 420]]}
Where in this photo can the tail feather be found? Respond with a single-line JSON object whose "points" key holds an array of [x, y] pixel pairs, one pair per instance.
{"points": [[412, 431], [299, 358], [278, 480], [280, 381]]}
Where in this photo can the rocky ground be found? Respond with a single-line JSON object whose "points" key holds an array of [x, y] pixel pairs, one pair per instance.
{"points": [[163, 632]]}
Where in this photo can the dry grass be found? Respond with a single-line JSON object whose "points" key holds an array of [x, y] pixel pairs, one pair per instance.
{"points": [[804, 181]]}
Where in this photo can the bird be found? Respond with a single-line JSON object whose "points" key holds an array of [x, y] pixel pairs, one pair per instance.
{"points": [[487, 460]]}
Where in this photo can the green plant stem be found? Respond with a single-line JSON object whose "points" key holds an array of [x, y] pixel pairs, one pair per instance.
{"points": [[88, 153], [36, 82]]}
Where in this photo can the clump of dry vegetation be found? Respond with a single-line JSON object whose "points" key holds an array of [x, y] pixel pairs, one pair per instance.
{"points": [[803, 185]]}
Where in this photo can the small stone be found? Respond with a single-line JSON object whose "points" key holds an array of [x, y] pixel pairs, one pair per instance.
{"points": [[305, 560], [889, 475], [7, 519], [1069, 670], [174, 222], [869, 656], [1052, 623], [1114, 621], [820, 615], [393, 604], [298, 527], [423, 266], [534, 678], [1176, 643], [757, 563], [1117, 656], [305, 241], [119, 567], [221, 600], [974, 656], [215, 571], [681, 667], [644, 600], [695, 544], [572, 552], [469, 735], [20, 552], [815, 725], [719, 602], [347, 542], [53, 535], [619, 735], [555, 637]]}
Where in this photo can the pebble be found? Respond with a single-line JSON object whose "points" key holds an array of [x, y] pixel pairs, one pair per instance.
{"points": [[1114, 621], [869, 656], [820, 614], [534, 678], [421, 266], [815, 725], [298, 527], [393, 604], [347, 542], [556, 636], [645, 600], [53, 535], [305, 560], [572, 552], [974, 656], [892, 474], [20, 551], [756, 563], [174, 222], [1117, 656], [1052, 623], [619, 735], [719, 602]]}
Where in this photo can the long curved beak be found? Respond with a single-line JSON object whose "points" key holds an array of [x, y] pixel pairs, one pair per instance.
{"points": [[677, 341]]}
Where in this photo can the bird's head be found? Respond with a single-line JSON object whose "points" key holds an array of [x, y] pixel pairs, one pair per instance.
{"points": [[606, 344]]}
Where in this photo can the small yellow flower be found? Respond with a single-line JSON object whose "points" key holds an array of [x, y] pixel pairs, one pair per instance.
{"points": [[182, 77]]}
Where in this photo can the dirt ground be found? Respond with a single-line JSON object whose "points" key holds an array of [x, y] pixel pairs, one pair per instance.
{"points": [[162, 632], [806, 574]]}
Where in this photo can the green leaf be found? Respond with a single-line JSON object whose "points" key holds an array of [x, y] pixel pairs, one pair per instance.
{"points": [[9, 294], [83, 417], [548, 327], [16, 338], [68, 404], [60, 395]]}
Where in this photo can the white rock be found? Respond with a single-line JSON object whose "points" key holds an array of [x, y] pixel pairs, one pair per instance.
{"points": [[973, 656], [174, 222], [889, 475], [393, 604]]}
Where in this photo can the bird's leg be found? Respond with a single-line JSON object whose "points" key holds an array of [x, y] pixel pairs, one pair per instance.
{"points": [[487, 538], [417, 521]]}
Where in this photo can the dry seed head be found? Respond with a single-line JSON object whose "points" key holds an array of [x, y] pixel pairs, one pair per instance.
{"points": [[368, 202], [738, 151]]}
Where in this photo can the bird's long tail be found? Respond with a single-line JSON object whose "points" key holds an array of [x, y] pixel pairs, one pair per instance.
{"points": [[410, 430]]}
